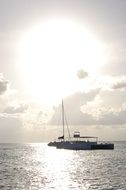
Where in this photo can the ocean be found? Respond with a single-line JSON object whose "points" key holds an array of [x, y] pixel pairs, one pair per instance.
{"points": [[39, 167]]}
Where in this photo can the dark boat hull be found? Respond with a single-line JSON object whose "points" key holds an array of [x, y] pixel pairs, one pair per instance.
{"points": [[102, 146], [54, 143], [84, 146]]}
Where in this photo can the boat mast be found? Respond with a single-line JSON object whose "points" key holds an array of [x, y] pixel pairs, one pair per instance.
{"points": [[63, 117]]}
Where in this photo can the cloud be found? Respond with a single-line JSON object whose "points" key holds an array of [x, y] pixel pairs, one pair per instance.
{"points": [[3, 84], [104, 115], [81, 74], [11, 128], [113, 118], [120, 85], [14, 110], [73, 111], [107, 108], [98, 107]]}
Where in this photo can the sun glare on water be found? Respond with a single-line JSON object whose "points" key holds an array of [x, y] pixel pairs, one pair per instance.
{"points": [[50, 55]]}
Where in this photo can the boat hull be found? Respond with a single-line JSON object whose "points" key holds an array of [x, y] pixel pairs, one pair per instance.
{"points": [[101, 146], [84, 146], [54, 143]]}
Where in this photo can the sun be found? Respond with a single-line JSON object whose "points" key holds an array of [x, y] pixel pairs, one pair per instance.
{"points": [[51, 53]]}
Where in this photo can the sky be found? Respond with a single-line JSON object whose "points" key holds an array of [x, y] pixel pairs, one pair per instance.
{"points": [[62, 49]]}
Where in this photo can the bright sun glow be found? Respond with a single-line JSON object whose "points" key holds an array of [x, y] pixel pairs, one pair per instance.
{"points": [[50, 55]]}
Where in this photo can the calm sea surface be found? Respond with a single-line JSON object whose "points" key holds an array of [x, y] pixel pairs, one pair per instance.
{"points": [[39, 167]]}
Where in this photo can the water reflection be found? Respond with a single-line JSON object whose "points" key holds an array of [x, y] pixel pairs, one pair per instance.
{"points": [[67, 169], [62, 169], [57, 168], [39, 167]]}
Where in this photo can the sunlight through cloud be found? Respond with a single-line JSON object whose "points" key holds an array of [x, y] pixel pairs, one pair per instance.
{"points": [[51, 53]]}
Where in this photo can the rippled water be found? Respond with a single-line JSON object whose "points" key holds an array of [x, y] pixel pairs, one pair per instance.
{"points": [[37, 166]]}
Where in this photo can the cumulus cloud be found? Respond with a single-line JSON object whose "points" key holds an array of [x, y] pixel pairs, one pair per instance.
{"points": [[113, 118], [73, 112], [120, 85], [81, 74], [3, 84], [98, 107], [108, 107], [14, 110]]}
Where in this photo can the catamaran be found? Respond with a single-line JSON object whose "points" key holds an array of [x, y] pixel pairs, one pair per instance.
{"points": [[77, 142]]}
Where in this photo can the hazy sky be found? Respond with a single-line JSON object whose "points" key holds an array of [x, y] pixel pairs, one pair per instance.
{"points": [[70, 49]]}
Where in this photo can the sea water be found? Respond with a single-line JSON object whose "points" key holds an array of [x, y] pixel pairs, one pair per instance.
{"points": [[39, 167]]}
